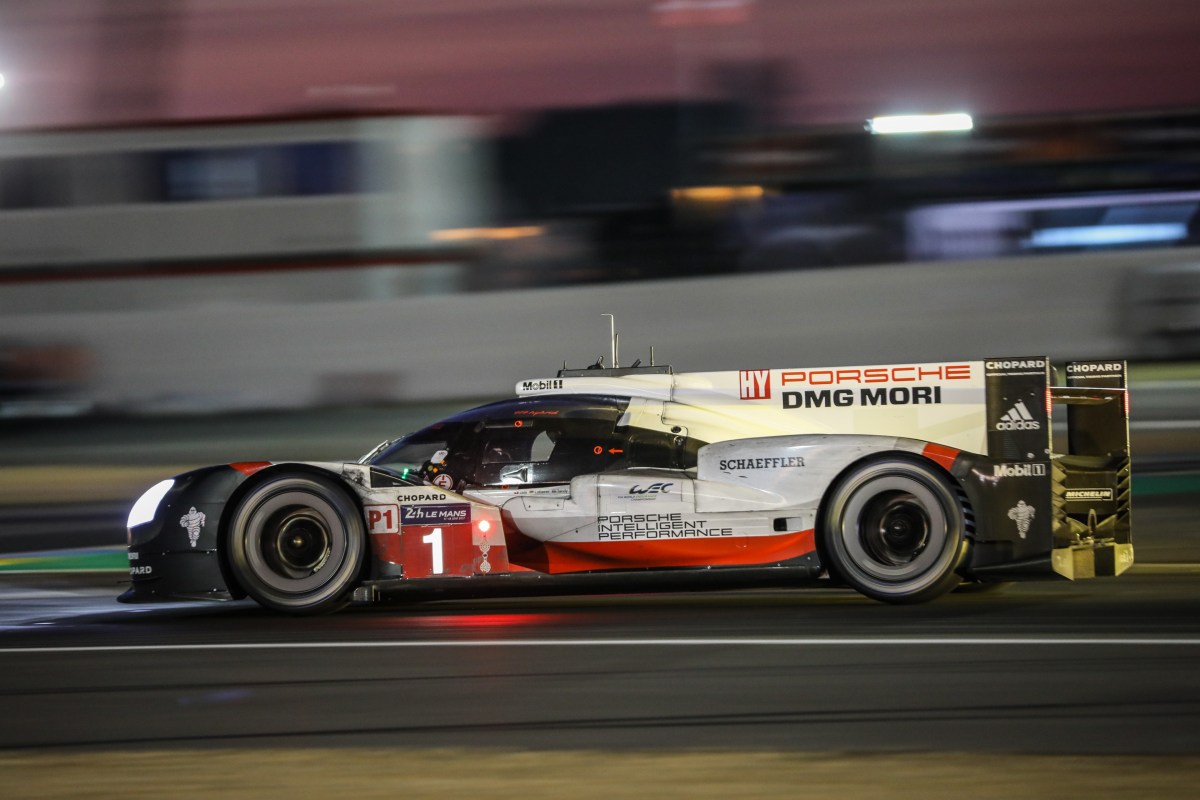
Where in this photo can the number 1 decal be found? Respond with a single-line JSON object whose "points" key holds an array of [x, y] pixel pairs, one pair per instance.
{"points": [[434, 537]]}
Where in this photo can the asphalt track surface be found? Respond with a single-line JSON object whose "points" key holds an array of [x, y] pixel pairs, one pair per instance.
{"points": [[1050, 689], [1106, 666]]}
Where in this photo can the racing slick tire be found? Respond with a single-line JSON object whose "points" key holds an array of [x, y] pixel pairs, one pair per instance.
{"points": [[297, 544], [895, 530]]}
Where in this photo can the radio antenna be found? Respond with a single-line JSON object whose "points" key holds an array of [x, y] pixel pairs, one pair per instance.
{"points": [[612, 337]]}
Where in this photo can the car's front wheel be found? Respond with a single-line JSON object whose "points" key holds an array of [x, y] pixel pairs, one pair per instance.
{"points": [[895, 530], [297, 544]]}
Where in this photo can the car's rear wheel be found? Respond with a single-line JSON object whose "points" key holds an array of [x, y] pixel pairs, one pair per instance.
{"points": [[297, 544], [895, 530]]}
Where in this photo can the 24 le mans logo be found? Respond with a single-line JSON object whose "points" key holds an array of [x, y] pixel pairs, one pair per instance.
{"points": [[755, 384]]}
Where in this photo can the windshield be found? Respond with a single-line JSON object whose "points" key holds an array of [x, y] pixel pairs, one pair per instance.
{"points": [[409, 454]]}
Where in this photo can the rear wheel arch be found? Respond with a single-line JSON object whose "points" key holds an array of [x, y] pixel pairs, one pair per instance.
{"points": [[904, 482]]}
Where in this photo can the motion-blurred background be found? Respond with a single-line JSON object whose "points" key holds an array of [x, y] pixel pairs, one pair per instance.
{"points": [[228, 224]]}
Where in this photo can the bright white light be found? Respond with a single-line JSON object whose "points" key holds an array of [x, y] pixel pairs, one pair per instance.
{"points": [[1100, 235], [920, 123], [147, 505], [2, 81]]}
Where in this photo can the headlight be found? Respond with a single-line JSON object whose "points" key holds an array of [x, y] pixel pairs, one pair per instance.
{"points": [[147, 505]]}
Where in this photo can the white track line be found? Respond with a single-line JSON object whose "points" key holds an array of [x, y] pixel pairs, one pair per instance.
{"points": [[914, 641]]}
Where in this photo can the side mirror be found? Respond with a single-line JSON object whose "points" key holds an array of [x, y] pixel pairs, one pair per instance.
{"points": [[515, 474]]}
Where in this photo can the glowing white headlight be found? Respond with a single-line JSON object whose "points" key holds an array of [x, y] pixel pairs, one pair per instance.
{"points": [[144, 509]]}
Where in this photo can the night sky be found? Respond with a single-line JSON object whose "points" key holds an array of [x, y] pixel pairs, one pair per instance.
{"points": [[72, 62]]}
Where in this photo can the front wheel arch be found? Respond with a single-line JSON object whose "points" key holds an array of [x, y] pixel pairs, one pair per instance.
{"points": [[336, 488], [902, 569]]}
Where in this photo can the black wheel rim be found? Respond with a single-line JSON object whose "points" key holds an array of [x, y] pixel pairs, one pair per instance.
{"points": [[297, 543], [895, 528]]}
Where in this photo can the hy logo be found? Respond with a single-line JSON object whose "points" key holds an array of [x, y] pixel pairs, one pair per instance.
{"points": [[754, 384], [654, 488], [1018, 418]]}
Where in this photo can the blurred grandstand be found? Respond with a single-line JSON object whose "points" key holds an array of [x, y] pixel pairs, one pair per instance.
{"points": [[628, 191], [381, 207]]}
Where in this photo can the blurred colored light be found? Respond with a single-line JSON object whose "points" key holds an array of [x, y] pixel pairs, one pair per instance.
{"points": [[484, 526], [468, 621], [1096, 235], [920, 123], [469, 234], [718, 194]]}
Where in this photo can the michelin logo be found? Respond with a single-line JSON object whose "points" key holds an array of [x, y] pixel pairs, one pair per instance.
{"points": [[1078, 495], [1018, 418], [192, 522], [1022, 514]]}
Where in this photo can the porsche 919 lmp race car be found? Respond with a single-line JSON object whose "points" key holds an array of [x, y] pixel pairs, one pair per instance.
{"points": [[901, 481]]}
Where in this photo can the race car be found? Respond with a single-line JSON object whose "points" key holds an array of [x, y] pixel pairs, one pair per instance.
{"points": [[902, 481]]}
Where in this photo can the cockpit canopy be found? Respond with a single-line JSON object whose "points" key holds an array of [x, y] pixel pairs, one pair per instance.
{"points": [[534, 440]]}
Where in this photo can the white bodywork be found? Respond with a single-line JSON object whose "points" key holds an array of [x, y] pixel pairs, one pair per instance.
{"points": [[938, 402]]}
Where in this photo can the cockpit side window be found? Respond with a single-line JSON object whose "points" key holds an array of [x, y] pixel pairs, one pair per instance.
{"points": [[543, 446], [547, 450], [510, 444]]}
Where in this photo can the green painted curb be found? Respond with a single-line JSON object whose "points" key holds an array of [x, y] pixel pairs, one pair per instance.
{"points": [[114, 560]]}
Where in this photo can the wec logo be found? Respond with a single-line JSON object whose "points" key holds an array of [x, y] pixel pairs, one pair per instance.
{"points": [[654, 488]]}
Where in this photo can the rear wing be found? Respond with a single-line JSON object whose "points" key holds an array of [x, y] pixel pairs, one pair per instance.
{"points": [[1054, 489]]}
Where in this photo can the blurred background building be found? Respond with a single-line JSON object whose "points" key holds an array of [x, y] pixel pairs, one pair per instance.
{"points": [[213, 204]]}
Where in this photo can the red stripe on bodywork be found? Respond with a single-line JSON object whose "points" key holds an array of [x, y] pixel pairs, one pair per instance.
{"points": [[250, 467], [556, 557], [941, 454]]}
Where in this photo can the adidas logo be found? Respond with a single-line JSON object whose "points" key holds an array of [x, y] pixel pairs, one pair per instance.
{"points": [[1018, 418]]}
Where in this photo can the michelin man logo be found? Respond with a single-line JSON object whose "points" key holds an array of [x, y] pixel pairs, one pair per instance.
{"points": [[193, 521], [1021, 514]]}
